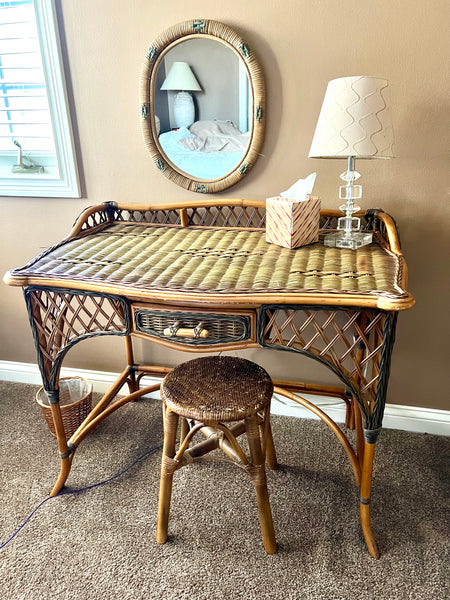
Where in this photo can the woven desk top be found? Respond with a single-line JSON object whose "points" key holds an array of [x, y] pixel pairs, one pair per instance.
{"points": [[144, 261]]}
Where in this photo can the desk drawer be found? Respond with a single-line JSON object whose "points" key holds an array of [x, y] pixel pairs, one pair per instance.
{"points": [[195, 328]]}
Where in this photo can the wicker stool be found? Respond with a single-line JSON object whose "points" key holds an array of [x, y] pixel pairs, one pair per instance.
{"points": [[207, 393]]}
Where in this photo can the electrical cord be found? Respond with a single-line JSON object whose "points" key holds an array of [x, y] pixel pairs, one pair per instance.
{"points": [[78, 491]]}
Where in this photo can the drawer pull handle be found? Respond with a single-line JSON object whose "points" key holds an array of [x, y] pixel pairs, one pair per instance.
{"points": [[175, 330]]}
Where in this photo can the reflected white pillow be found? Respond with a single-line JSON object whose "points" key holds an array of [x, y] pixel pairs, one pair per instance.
{"points": [[207, 128]]}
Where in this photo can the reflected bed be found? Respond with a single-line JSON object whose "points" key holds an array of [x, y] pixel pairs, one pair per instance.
{"points": [[202, 164]]}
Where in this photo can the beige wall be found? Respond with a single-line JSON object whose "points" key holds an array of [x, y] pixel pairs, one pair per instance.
{"points": [[301, 45]]}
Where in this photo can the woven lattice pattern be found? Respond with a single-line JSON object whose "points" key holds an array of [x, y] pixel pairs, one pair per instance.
{"points": [[95, 219], [217, 261], [162, 217], [61, 318], [228, 216], [221, 328], [208, 216], [350, 341], [217, 388]]}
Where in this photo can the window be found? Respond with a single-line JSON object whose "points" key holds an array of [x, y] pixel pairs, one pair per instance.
{"points": [[37, 156]]}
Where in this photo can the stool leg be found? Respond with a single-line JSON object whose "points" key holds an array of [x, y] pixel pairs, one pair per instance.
{"points": [[168, 467], [257, 473], [271, 455]]}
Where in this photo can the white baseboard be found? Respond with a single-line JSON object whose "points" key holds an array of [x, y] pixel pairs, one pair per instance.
{"points": [[396, 416]]}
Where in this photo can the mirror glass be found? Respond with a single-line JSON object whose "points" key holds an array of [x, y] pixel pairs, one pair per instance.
{"points": [[209, 141], [202, 105]]}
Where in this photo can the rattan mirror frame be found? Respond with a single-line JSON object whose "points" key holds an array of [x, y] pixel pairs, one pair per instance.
{"points": [[174, 35]]}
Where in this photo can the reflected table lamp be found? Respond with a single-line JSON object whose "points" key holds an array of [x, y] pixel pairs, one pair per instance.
{"points": [[181, 79], [354, 122]]}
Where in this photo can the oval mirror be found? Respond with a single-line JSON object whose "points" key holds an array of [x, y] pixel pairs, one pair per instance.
{"points": [[202, 105]]}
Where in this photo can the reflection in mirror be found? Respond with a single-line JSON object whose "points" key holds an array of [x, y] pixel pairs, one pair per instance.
{"points": [[202, 105], [204, 134]]}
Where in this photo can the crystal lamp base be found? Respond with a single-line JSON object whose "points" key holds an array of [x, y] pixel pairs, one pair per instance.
{"points": [[352, 239]]}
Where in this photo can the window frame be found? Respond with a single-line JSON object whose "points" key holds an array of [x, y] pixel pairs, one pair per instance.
{"points": [[61, 178]]}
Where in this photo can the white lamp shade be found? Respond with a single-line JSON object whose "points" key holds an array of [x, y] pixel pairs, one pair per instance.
{"points": [[354, 120], [180, 77]]}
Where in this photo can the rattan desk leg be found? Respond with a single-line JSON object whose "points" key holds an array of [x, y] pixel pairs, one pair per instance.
{"points": [[357, 419], [131, 381], [66, 458], [60, 318], [257, 473], [364, 506], [66, 464]]}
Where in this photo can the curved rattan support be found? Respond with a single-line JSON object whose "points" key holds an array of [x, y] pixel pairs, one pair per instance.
{"points": [[98, 414], [233, 441], [362, 362], [188, 30], [354, 390], [96, 417], [354, 462], [377, 219], [57, 315], [362, 465], [186, 441]]}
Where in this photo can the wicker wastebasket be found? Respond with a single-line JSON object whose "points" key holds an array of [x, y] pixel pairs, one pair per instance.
{"points": [[75, 400]]}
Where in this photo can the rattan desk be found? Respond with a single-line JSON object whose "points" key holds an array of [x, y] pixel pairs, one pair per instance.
{"points": [[201, 277]]}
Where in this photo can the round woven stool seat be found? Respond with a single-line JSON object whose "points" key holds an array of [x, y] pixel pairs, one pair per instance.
{"points": [[217, 388]]}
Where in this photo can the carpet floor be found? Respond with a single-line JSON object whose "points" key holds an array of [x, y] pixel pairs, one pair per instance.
{"points": [[100, 543]]}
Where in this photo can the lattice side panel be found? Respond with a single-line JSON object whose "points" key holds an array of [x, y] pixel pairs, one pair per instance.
{"points": [[327, 222], [348, 341], [93, 220], [228, 216], [163, 217], [60, 318]]}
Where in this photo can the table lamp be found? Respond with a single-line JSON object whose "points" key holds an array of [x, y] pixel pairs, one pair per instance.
{"points": [[354, 122], [180, 78]]}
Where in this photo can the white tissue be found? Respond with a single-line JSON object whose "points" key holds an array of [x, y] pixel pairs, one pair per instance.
{"points": [[300, 190]]}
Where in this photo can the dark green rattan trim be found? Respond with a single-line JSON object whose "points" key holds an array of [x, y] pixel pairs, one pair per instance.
{"points": [[198, 26], [53, 396], [160, 164], [245, 321], [371, 435], [144, 111], [110, 209], [375, 420], [63, 455], [368, 419], [50, 382], [244, 50], [152, 53]]}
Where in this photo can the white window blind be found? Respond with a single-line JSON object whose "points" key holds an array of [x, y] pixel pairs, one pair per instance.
{"points": [[37, 156]]}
